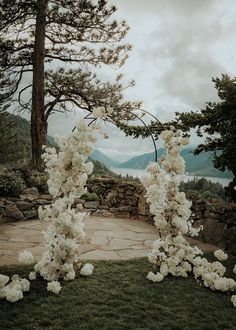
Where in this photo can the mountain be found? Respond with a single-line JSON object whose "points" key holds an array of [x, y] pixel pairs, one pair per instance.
{"points": [[199, 165], [101, 157]]}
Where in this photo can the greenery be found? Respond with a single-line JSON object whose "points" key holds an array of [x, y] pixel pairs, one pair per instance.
{"points": [[15, 142], [14, 146], [118, 296], [90, 197], [10, 184], [99, 169], [218, 121], [204, 187]]}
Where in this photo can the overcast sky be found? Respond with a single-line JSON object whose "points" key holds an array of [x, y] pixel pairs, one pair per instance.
{"points": [[178, 46]]}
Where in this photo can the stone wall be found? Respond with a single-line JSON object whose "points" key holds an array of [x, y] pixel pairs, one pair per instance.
{"points": [[126, 199]]}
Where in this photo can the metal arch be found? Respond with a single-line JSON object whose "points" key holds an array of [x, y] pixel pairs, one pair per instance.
{"points": [[136, 116]]}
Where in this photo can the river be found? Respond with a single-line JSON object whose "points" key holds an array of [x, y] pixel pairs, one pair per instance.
{"points": [[138, 173]]}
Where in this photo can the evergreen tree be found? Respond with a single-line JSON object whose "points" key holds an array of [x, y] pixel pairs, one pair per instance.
{"points": [[218, 122], [49, 51], [11, 143]]}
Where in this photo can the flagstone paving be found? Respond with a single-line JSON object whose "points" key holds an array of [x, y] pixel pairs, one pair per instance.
{"points": [[106, 239]]}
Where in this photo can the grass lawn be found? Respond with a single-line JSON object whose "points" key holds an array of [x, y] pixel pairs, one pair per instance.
{"points": [[118, 296]]}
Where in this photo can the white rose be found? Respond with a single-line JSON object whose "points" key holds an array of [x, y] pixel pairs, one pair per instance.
{"points": [[233, 299], [155, 277], [220, 255], [25, 258], [87, 270], [54, 287]]}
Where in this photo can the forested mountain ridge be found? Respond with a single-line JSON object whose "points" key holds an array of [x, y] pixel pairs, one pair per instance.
{"points": [[199, 165]]}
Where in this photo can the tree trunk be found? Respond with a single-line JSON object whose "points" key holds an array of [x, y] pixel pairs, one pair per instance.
{"points": [[38, 121]]}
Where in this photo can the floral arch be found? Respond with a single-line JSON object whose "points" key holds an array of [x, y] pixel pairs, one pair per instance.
{"points": [[68, 172]]}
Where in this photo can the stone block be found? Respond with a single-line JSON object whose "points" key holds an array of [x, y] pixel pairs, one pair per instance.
{"points": [[213, 231], [29, 214], [31, 191], [91, 205], [23, 205], [12, 211]]}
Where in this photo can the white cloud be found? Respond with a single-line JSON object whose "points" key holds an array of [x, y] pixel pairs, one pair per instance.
{"points": [[179, 45]]}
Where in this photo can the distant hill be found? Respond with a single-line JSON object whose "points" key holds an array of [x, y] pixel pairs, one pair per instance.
{"points": [[199, 165], [101, 157]]}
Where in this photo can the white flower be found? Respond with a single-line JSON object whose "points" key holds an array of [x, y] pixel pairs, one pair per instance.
{"points": [[225, 284], [54, 287], [99, 112], [155, 277], [220, 255], [153, 168], [3, 280], [87, 270], [25, 258], [70, 276], [13, 295], [233, 299], [234, 270], [25, 284], [32, 276], [184, 141]]}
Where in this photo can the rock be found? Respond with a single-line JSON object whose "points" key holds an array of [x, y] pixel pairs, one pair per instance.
{"points": [[212, 232], [142, 205], [29, 214], [12, 211], [212, 215], [42, 201], [2, 212], [230, 240], [23, 205], [122, 215], [30, 191], [91, 205], [103, 213], [79, 201], [47, 197], [28, 198], [229, 218], [125, 208]]}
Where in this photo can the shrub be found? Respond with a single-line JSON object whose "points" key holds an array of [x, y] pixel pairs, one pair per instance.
{"points": [[10, 184], [90, 197]]}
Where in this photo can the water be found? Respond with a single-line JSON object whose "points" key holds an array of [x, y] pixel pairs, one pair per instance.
{"points": [[139, 173]]}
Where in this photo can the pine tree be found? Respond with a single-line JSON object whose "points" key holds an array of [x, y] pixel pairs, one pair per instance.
{"points": [[218, 123], [49, 54]]}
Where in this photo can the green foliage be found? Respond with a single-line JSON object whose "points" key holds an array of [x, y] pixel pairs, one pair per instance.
{"points": [[204, 187], [90, 197], [118, 296], [99, 169], [10, 184], [14, 138], [218, 121], [15, 142]]}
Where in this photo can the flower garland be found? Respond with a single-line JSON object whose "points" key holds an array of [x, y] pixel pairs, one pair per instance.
{"points": [[171, 253], [68, 172]]}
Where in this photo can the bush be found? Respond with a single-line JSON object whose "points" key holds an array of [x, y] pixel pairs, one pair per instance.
{"points": [[90, 197], [10, 184]]}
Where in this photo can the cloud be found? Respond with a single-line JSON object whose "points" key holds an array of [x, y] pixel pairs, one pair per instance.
{"points": [[179, 45]]}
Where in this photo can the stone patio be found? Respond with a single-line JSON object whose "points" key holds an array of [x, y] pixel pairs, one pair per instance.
{"points": [[106, 239]]}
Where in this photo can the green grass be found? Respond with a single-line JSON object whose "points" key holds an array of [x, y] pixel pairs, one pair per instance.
{"points": [[118, 296]]}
